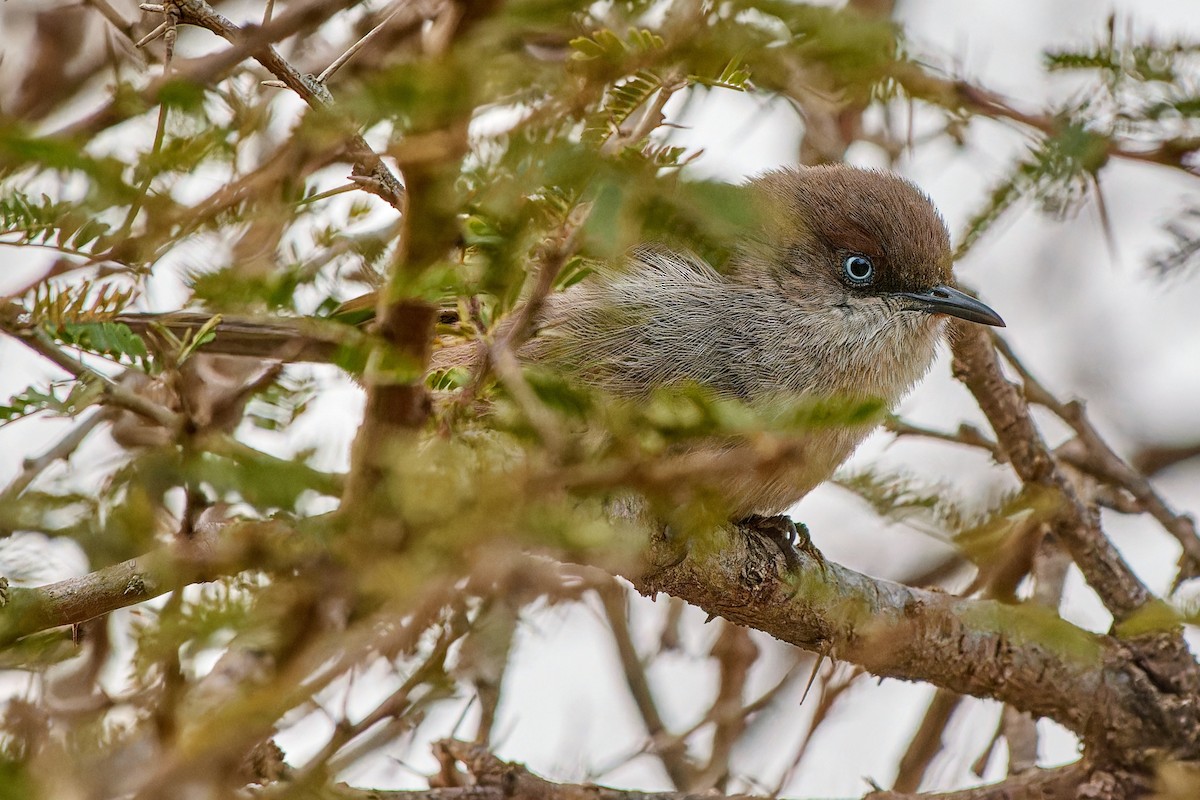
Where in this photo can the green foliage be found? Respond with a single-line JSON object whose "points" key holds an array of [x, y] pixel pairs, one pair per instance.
{"points": [[55, 305], [604, 45], [192, 340], [282, 403], [936, 509], [1183, 254], [44, 221], [620, 103], [183, 95], [859, 55], [233, 288], [448, 380], [680, 414], [186, 151], [734, 76], [21, 150], [416, 96], [575, 270], [206, 619], [1147, 61], [64, 399], [54, 513], [1059, 173], [112, 339], [81, 316], [15, 781], [632, 204], [1143, 92], [267, 484], [859, 50]]}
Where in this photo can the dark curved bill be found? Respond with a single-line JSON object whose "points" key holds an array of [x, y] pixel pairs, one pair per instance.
{"points": [[950, 301]]}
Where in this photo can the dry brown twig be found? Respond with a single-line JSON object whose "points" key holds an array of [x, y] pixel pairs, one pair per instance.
{"points": [[1173, 153], [367, 162], [1077, 525], [62, 450], [392, 706], [670, 750], [967, 435], [490, 778], [204, 70], [1102, 462]]}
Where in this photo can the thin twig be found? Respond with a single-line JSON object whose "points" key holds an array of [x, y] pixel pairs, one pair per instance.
{"points": [[391, 706], [1077, 524], [670, 751], [112, 15], [1102, 462], [966, 434], [1170, 153], [927, 741], [367, 162], [832, 689], [114, 393], [416, 11], [735, 653], [60, 451]]}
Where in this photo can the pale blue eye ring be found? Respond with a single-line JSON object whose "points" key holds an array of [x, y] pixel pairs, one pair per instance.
{"points": [[858, 269]]}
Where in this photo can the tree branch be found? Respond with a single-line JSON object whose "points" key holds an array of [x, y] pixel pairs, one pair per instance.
{"points": [[114, 393], [60, 451], [27, 611], [1109, 692], [670, 750], [976, 647], [1077, 525], [203, 70], [283, 339], [1102, 462], [492, 779], [257, 44]]}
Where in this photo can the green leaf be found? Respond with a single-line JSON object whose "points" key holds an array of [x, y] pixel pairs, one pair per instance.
{"points": [[604, 44], [1059, 174], [202, 336], [62, 399], [619, 104], [21, 150], [734, 76], [113, 339]]}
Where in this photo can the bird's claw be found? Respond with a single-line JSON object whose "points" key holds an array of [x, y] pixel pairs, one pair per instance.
{"points": [[790, 538]]}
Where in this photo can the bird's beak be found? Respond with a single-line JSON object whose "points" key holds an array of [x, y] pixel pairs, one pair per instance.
{"points": [[950, 301]]}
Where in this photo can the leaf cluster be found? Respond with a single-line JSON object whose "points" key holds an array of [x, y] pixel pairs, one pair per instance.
{"points": [[1142, 95]]}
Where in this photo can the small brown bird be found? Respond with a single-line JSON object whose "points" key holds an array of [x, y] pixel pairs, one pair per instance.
{"points": [[841, 292]]}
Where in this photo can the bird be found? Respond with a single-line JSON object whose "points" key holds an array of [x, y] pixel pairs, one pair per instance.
{"points": [[839, 291]]}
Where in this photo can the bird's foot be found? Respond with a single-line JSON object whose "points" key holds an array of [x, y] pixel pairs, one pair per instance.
{"points": [[790, 538]]}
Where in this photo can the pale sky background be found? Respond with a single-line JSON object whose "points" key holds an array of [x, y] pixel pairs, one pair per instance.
{"points": [[1091, 323]]}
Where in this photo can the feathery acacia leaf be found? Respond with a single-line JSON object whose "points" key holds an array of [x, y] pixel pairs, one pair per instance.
{"points": [[61, 399]]}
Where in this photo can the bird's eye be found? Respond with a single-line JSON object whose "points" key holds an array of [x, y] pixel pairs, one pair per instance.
{"points": [[858, 269]]}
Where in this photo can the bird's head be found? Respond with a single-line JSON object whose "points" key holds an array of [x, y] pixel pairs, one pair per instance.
{"points": [[862, 241]]}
